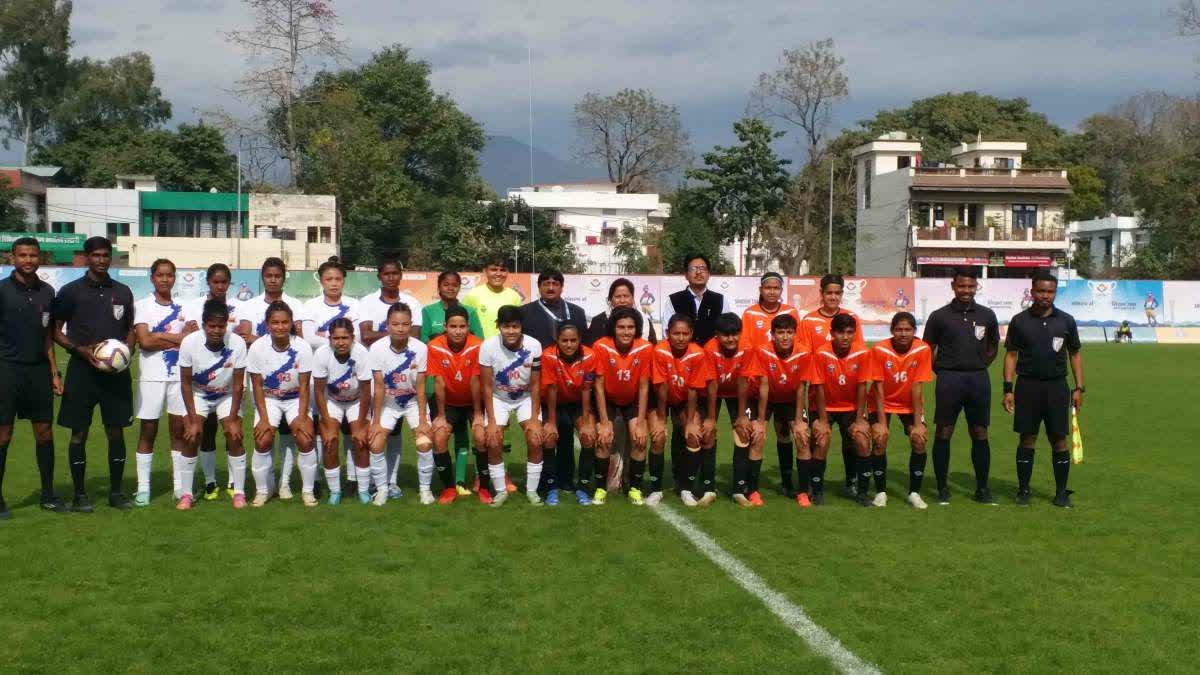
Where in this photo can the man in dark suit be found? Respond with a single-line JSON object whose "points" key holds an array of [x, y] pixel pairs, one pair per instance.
{"points": [[696, 301], [541, 317]]}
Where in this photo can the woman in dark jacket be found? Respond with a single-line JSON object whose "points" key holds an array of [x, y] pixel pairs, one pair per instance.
{"points": [[620, 294]]}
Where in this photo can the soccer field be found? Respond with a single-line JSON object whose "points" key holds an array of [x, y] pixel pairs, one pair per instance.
{"points": [[1111, 585]]}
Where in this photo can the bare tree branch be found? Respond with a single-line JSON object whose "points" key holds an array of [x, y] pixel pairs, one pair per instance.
{"points": [[637, 138]]}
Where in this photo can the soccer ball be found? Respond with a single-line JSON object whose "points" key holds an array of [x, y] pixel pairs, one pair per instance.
{"points": [[112, 355]]}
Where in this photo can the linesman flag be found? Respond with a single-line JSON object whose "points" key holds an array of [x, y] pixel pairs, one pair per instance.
{"points": [[1076, 438]]}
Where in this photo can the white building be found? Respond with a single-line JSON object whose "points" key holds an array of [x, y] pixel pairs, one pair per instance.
{"points": [[985, 210], [593, 214], [1112, 241], [98, 212], [31, 183]]}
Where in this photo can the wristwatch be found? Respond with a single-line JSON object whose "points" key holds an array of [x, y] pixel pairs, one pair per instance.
{"points": [[1080, 390]]}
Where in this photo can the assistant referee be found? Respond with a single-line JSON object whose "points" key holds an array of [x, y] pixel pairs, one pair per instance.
{"points": [[1040, 341], [88, 311], [965, 338]]}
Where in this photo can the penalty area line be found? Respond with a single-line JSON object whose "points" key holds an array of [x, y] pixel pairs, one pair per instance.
{"points": [[817, 638]]}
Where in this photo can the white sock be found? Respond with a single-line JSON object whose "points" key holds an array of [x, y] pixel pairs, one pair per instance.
{"points": [[533, 476], [308, 470], [378, 471], [351, 469], [237, 474], [229, 468], [287, 453], [393, 458], [425, 469], [176, 480], [187, 473], [333, 478], [144, 462], [261, 466], [496, 471], [364, 477], [208, 464]]}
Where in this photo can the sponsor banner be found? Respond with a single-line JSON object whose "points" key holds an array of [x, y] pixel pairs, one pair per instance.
{"points": [[1005, 297], [57, 277], [590, 291], [1108, 303], [1176, 335], [952, 260], [1181, 299], [189, 283], [1026, 260], [876, 300]]}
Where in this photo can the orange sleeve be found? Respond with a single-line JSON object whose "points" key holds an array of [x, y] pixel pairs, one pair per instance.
{"points": [[817, 375], [702, 373], [803, 341], [925, 366], [645, 368], [662, 367], [434, 366], [754, 366], [549, 369], [875, 369]]}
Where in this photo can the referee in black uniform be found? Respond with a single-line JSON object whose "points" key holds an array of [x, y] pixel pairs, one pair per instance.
{"points": [[965, 338], [28, 374], [87, 311], [1040, 341]]}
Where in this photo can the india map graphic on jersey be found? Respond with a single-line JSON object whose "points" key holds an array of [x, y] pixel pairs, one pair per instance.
{"points": [[503, 377], [170, 356], [391, 379], [203, 377], [272, 381], [335, 385], [341, 313]]}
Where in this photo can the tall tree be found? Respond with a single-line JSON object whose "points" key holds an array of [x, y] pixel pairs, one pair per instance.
{"points": [[1087, 200], [35, 41], [286, 37], [12, 215], [1187, 17], [803, 91], [468, 232], [637, 138], [690, 231], [118, 93], [745, 183]]}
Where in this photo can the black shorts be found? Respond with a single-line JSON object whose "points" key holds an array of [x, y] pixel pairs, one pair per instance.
{"points": [[623, 412], [85, 387], [781, 412], [906, 420], [731, 405], [25, 392], [459, 416], [968, 391], [568, 414], [1042, 401]]}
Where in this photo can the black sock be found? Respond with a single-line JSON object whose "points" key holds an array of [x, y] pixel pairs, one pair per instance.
{"points": [[481, 470], [678, 462], [708, 470], [587, 457], [3, 462], [864, 475], [637, 467], [879, 468], [601, 473], [981, 457], [549, 470], [1024, 468], [818, 476], [786, 453], [1062, 468], [116, 461], [752, 479], [658, 464], [691, 470], [941, 461], [803, 473], [443, 465], [916, 471], [850, 459], [45, 462], [741, 470], [77, 456]]}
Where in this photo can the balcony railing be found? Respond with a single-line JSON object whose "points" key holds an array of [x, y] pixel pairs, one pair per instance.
{"points": [[987, 171], [1055, 234]]}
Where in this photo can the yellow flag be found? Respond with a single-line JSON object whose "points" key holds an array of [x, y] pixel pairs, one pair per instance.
{"points": [[1076, 438]]}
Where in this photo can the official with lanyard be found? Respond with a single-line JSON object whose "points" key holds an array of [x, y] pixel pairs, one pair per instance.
{"points": [[541, 317]]}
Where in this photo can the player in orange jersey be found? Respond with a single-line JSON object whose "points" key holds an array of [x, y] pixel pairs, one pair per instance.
{"points": [[899, 367], [756, 320], [681, 372], [454, 367], [568, 377], [841, 372], [782, 369], [729, 363], [623, 374]]}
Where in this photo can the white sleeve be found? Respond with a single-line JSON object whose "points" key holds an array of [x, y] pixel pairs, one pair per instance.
{"points": [[374, 359], [253, 360], [362, 363], [304, 359], [239, 351], [535, 351], [141, 313], [185, 351], [320, 366], [422, 358], [486, 355]]}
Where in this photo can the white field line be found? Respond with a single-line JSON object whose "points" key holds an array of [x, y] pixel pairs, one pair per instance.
{"points": [[791, 614]]}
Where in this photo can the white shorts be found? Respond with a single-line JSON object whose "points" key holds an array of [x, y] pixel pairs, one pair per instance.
{"points": [[280, 409], [152, 396], [392, 414], [505, 407], [343, 411], [222, 406]]}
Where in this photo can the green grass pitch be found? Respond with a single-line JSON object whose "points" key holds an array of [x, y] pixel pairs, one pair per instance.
{"points": [[1112, 585]]}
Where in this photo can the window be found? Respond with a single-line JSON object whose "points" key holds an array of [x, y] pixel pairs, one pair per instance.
{"points": [[904, 162], [939, 215], [1003, 162], [608, 212], [868, 169], [608, 236], [62, 228], [570, 232], [114, 230], [319, 235], [1024, 216]]}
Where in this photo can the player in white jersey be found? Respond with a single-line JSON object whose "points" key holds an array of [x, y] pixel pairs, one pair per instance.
{"points": [[279, 367], [212, 367], [160, 325], [320, 312], [218, 277], [509, 372], [342, 391], [372, 326], [398, 364]]}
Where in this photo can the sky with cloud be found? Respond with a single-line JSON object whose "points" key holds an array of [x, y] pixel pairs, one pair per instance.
{"points": [[1069, 57]]}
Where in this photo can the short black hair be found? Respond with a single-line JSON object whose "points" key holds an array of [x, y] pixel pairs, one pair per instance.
{"points": [[161, 261], [1043, 275], [399, 308], [728, 324], [97, 244], [966, 272], [273, 261], [568, 325], [495, 260], [696, 256], [900, 317], [214, 309], [617, 283], [624, 313], [833, 279], [509, 314], [341, 322], [783, 322], [442, 276], [550, 275], [842, 322], [27, 241], [331, 264], [388, 261], [279, 306], [215, 268], [676, 318], [457, 310]]}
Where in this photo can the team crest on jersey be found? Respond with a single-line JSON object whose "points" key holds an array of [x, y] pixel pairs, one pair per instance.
{"points": [[118, 311], [759, 323], [1057, 343], [889, 365], [854, 366], [45, 319], [980, 331], [612, 362], [817, 330], [771, 366], [830, 367], [445, 363]]}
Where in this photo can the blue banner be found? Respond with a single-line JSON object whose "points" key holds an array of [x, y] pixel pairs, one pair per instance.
{"points": [[1108, 303]]}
